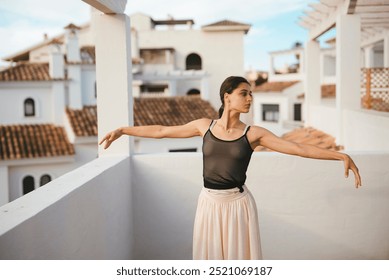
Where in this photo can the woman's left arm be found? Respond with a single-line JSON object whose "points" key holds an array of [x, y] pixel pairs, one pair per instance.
{"points": [[269, 140]]}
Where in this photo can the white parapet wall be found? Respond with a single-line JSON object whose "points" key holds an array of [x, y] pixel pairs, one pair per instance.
{"points": [[85, 214], [307, 208], [113, 208]]}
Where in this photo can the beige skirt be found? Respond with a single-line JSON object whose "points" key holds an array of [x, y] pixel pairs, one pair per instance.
{"points": [[226, 226]]}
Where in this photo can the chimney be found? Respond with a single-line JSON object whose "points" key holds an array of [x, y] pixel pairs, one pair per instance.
{"points": [[56, 61], [71, 42]]}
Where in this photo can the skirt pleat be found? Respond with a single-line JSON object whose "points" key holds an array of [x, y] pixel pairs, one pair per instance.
{"points": [[226, 226]]}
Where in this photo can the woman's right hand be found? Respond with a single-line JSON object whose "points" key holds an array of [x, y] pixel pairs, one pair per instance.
{"points": [[110, 137]]}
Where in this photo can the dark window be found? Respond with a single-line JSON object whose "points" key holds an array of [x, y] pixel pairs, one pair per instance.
{"points": [[29, 107], [193, 91], [45, 179], [28, 184], [297, 112], [270, 112], [183, 150], [193, 62]]}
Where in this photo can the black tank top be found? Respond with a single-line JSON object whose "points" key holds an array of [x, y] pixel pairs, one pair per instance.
{"points": [[225, 162]]}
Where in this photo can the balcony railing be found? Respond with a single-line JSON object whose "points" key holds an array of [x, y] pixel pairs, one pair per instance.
{"points": [[143, 207], [375, 88]]}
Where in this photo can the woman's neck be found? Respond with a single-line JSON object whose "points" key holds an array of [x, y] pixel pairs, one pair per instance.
{"points": [[229, 120]]}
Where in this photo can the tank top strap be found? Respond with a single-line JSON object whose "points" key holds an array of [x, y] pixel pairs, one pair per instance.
{"points": [[213, 122], [246, 129]]}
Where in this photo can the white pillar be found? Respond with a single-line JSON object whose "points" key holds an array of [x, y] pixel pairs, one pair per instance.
{"points": [[348, 68], [4, 185], [75, 91], [172, 87], [312, 80], [386, 50], [369, 57], [204, 91], [58, 107], [114, 79], [72, 46], [56, 62]]}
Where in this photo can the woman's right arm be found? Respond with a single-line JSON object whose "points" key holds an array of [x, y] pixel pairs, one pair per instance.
{"points": [[191, 129]]}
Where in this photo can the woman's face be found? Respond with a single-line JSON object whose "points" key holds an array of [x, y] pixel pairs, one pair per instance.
{"points": [[240, 99]]}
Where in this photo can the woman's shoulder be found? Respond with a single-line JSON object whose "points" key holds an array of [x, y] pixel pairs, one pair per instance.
{"points": [[258, 131]]}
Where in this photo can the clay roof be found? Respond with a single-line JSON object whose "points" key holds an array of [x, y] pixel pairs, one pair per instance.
{"points": [[147, 111], [83, 121], [309, 135], [227, 25], [171, 110], [273, 86], [26, 72], [33, 141], [72, 26]]}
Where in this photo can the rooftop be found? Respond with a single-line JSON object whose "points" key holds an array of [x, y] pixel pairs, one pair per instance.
{"points": [[33, 141]]}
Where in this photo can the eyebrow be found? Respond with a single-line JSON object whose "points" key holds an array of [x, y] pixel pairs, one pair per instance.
{"points": [[245, 90]]}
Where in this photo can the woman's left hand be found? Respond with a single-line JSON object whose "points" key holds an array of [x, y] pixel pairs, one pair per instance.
{"points": [[349, 164]]}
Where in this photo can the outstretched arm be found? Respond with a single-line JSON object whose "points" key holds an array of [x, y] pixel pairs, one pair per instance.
{"points": [[267, 139], [191, 129]]}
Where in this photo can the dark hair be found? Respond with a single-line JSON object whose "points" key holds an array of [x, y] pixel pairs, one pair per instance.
{"points": [[229, 85]]}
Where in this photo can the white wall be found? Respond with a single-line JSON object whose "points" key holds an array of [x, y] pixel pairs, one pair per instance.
{"points": [[81, 215], [35, 169], [88, 79], [12, 97], [324, 118], [366, 130], [211, 46], [271, 98], [307, 209], [147, 145]]}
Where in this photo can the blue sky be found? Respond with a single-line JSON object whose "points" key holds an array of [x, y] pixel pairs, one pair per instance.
{"points": [[274, 27]]}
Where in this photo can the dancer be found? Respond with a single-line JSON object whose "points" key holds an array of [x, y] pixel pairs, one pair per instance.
{"points": [[226, 222]]}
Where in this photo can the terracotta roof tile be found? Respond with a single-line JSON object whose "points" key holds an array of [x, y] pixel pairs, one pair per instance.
{"points": [[84, 121], [147, 111], [26, 72], [309, 135], [171, 110], [328, 91], [274, 86], [226, 23], [33, 141]]}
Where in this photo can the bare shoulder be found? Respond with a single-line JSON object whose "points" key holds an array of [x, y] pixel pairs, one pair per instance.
{"points": [[255, 134], [202, 125]]}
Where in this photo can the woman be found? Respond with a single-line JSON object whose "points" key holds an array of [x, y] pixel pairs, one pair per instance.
{"points": [[226, 222]]}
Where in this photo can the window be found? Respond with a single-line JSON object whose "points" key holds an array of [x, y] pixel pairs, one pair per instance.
{"points": [[183, 150], [193, 91], [193, 62], [45, 179], [28, 184], [29, 107], [270, 112], [297, 112]]}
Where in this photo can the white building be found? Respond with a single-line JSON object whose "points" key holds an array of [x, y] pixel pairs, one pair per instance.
{"points": [[312, 94], [48, 115]]}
